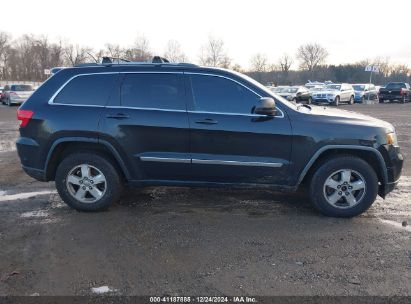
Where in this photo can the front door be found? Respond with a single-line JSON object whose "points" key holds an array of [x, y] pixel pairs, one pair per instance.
{"points": [[230, 144]]}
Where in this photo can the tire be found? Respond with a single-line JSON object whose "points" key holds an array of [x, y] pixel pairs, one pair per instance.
{"points": [[336, 101], [362, 99], [294, 100], [99, 168], [310, 100], [351, 101], [344, 206], [404, 99]]}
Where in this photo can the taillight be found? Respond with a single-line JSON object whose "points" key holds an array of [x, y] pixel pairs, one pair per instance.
{"points": [[402, 92], [24, 116]]}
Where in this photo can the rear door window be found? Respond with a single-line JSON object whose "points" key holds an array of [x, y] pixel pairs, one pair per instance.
{"points": [[92, 89], [153, 90]]}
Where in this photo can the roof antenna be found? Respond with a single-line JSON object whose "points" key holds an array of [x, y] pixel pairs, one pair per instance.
{"points": [[94, 58]]}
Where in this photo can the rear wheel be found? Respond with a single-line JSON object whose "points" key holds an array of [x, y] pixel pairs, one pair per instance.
{"points": [[343, 186], [310, 100], [404, 99], [88, 182]]}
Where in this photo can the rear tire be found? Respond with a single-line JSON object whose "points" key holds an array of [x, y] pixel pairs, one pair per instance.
{"points": [[88, 182], [332, 197], [310, 100]]}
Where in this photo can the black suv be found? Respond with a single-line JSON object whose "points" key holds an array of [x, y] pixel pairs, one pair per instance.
{"points": [[97, 127]]}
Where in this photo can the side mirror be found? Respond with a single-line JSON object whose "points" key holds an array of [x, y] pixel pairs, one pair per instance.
{"points": [[266, 107]]}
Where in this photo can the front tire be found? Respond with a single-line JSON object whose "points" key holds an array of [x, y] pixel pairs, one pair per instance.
{"points": [[336, 101], [343, 186], [351, 101], [88, 182], [310, 100]]}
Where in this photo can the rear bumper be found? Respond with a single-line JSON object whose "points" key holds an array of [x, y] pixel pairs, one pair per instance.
{"points": [[30, 158]]}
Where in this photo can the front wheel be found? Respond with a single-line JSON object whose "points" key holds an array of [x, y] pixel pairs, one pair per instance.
{"points": [[351, 101], [310, 100], [343, 186], [88, 182], [336, 101]]}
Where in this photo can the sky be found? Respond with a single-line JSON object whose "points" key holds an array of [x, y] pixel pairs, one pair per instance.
{"points": [[350, 30]]}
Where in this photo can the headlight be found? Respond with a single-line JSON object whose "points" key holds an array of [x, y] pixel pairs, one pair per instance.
{"points": [[392, 139], [330, 95]]}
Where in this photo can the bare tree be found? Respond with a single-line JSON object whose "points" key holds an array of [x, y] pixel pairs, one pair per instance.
{"points": [[285, 62], [311, 55], [259, 63], [214, 54], [4, 46], [174, 53], [140, 50], [75, 54], [113, 50]]}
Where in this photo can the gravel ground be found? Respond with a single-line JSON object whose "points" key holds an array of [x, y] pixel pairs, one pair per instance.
{"points": [[181, 241]]}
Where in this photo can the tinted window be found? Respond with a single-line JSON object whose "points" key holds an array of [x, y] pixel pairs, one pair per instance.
{"points": [[21, 87], [395, 85], [163, 91], [87, 90], [217, 94]]}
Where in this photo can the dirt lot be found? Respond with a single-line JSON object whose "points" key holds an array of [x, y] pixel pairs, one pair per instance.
{"points": [[181, 241]]}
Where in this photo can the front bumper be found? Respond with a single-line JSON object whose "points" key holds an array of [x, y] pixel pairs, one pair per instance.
{"points": [[394, 161], [322, 99]]}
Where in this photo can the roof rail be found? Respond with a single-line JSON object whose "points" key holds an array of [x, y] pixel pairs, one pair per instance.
{"points": [[158, 59]]}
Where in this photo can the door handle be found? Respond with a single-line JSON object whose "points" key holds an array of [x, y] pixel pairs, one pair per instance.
{"points": [[207, 121], [118, 116]]}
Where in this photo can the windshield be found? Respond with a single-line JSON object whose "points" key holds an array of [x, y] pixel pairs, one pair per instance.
{"points": [[333, 87], [358, 87], [289, 90], [394, 86], [21, 87]]}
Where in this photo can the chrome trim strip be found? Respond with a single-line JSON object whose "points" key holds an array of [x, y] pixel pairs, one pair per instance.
{"points": [[150, 109], [235, 163], [51, 101], [165, 159]]}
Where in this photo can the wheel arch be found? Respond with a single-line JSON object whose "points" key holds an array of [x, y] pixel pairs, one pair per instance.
{"points": [[371, 155], [64, 146]]}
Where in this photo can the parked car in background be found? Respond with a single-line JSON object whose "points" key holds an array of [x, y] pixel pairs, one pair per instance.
{"points": [[93, 129], [315, 85], [1, 92], [334, 94], [16, 93], [296, 94], [365, 91], [277, 89], [395, 91]]}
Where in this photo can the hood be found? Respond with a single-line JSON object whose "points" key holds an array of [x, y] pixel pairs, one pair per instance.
{"points": [[344, 116]]}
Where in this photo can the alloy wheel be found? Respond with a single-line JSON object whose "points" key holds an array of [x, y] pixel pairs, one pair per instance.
{"points": [[86, 183], [344, 188]]}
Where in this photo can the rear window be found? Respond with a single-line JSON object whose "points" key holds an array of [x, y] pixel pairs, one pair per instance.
{"points": [[156, 90], [393, 86], [87, 90], [21, 87]]}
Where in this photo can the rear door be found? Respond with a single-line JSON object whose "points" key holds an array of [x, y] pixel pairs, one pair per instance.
{"points": [[230, 144], [148, 124]]}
